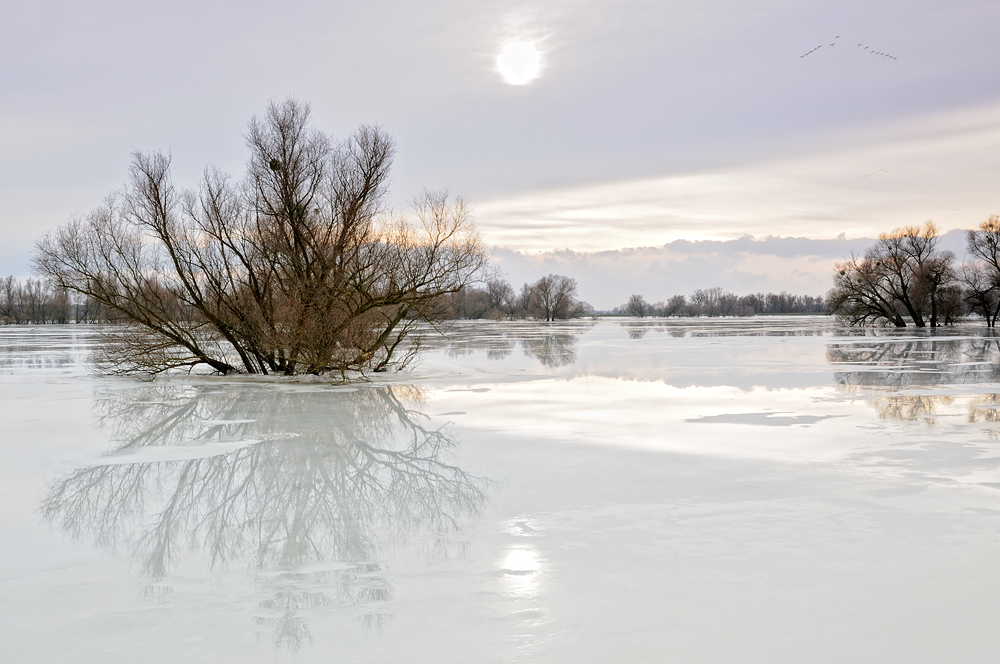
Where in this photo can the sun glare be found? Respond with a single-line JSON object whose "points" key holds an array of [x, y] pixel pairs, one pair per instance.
{"points": [[519, 62]]}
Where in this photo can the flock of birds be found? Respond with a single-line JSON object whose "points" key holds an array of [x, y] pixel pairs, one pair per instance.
{"points": [[873, 52], [834, 43], [866, 48]]}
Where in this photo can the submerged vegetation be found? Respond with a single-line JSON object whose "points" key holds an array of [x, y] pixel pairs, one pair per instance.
{"points": [[298, 267]]}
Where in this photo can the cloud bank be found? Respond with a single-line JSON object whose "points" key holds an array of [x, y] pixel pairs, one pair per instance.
{"points": [[798, 265], [942, 167]]}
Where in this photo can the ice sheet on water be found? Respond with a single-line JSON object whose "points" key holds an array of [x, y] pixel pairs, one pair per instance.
{"points": [[768, 419]]}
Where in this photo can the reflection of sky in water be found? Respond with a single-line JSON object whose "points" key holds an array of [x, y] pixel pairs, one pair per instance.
{"points": [[50, 347], [792, 388], [624, 490]]}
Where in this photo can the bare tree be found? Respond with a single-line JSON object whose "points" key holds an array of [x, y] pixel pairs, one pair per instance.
{"points": [[905, 255], [470, 302], [524, 303], [982, 290], [501, 296], [861, 296], [711, 301], [981, 278], [984, 243], [675, 306], [554, 296], [903, 274], [934, 286], [637, 306], [299, 268], [494, 300]]}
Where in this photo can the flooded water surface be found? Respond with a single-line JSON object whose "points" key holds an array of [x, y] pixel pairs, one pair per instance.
{"points": [[760, 490]]}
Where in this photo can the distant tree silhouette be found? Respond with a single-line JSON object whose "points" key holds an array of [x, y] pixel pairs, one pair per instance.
{"points": [[550, 298]]}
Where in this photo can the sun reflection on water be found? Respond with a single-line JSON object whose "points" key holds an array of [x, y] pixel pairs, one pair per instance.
{"points": [[522, 569]]}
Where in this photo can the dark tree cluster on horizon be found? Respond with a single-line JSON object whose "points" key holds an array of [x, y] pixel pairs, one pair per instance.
{"points": [[905, 278], [553, 297], [33, 302], [719, 302]]}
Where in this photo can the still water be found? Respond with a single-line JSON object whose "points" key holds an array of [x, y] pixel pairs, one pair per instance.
{"points": [[764, 490]]}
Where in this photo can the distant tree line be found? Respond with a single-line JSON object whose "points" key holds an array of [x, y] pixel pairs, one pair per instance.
{"points": [[719, 302], [906, 278], [36, 302], [552, 297], [32, 301]]}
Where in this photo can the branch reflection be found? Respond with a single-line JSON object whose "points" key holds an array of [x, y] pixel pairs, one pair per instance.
{"points": [[986, 409], [552, 344], [553, 350], [881, 364], [910, 407], [902, 363], [308, 487]]}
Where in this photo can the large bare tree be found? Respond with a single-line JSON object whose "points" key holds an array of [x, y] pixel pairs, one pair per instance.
{"points": [[902, 275], [300, 267], [554, 296]]}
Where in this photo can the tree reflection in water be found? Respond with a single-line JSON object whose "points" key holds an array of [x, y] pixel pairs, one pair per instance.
{"points": [[887, 362], [879, 364], [557, 349], [318, 486], [552, 344], [910, 407], [636, 331], [986, 409]]}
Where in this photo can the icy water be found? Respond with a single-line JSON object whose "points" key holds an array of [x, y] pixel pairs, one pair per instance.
{"points": [[767, 490]]}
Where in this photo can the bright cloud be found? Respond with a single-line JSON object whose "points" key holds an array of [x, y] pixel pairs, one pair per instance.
{"points": [[940, 167]]}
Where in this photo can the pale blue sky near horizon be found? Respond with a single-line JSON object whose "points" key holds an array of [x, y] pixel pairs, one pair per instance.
{"points": [[650, 122]]}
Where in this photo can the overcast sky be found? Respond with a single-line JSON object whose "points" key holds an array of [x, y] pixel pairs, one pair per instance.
{"points": [[649, 122]]}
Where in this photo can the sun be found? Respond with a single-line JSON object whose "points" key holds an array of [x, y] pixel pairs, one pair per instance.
{"points": [[519, 62]]}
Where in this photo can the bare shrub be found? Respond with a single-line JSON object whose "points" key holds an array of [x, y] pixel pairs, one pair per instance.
{"points": [[300, 267]]}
